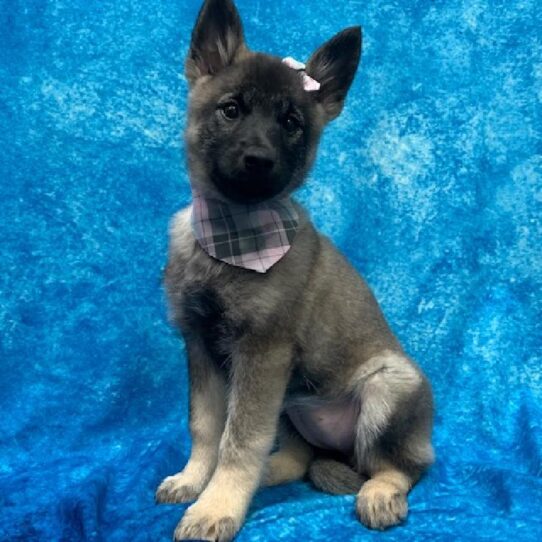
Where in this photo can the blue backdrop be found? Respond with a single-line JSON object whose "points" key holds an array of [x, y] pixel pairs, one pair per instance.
{"points": [[430, 181]]}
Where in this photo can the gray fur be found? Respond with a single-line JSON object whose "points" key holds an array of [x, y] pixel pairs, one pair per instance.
{"points": [[335, 477], [307, 330]]}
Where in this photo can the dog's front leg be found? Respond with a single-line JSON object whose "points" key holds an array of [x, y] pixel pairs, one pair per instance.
{"points": [[259, 376], [207, 418]]}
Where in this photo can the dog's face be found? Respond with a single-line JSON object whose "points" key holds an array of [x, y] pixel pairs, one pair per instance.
{"points": [[253, 129]]}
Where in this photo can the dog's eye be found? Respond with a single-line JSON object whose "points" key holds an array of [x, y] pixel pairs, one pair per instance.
{"points": [[230, 110], [291, 124]]}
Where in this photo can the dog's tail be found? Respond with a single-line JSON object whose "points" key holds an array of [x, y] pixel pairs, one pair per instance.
{"points": [[335, 477]]}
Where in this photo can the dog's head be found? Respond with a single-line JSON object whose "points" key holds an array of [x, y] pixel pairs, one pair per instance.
{"points": [[253, 129]]}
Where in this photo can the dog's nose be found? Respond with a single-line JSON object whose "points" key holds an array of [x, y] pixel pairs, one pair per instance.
{"points": [[259, 161]]}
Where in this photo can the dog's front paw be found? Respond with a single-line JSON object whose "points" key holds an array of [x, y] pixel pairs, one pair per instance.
{"points": [[205, 522], [381, 505], [178, 488]]}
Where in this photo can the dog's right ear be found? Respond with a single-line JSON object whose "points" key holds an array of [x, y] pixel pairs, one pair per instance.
{"points": [[217, 39]]}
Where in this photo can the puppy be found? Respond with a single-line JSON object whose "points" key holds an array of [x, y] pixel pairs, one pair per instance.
{"points": [[284, 338]]}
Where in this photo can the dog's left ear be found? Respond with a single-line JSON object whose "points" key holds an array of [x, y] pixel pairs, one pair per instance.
{"points": [[217, 39], [334, 65]]}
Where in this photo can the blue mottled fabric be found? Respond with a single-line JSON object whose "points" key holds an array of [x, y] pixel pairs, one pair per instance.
{"points": [[430, 182]]}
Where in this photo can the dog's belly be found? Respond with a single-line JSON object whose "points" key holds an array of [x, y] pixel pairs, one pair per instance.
{"points": [[329, 425]]}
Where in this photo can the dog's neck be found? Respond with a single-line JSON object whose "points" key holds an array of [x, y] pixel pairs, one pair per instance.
{"points": [[252, 236]]}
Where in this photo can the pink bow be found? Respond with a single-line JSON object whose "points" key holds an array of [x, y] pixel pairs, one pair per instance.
{"points": [[309, 84]]}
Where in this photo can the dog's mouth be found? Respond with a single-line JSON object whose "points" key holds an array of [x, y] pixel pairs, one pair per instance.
{"points": [[243, 188]]}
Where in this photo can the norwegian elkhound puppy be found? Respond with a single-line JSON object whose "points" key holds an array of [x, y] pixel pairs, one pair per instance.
{"points": [[301, 352]]}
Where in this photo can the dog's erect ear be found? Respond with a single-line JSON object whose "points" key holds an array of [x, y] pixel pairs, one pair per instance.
{"points": [[334, 65], [217, 39]]}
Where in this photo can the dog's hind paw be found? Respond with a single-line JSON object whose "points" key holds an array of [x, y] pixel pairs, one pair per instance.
{"points": [[380, 505]]}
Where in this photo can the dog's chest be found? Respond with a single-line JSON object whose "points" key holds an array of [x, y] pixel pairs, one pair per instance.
{"points": [[207, 299], [202, 313]]}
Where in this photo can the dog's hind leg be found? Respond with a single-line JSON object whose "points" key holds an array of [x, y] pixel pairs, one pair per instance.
{"points": [[393, 436], [291, 461]]}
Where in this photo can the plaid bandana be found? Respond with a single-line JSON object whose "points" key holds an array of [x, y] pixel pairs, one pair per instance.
{"points": [[251, 236]]}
